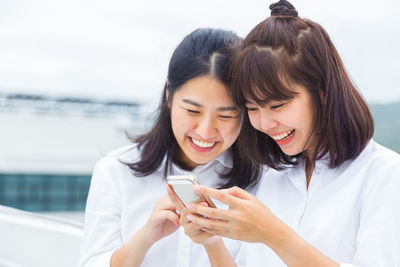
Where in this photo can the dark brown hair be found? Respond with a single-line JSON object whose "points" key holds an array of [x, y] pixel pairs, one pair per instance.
{"points": [[285, 49], [202, 52]]}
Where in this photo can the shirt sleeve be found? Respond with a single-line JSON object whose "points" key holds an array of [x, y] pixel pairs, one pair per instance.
{"points": [[102, 228], [378, 237]]}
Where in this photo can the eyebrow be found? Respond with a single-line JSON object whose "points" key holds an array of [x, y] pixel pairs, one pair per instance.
{"points": [[249, 102], [194, 103]]}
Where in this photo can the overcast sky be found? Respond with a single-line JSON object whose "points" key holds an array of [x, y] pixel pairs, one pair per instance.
{"points": [[120, 49]]}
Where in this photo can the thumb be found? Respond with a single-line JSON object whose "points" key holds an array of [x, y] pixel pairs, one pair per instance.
{"points": [[174, 199]]}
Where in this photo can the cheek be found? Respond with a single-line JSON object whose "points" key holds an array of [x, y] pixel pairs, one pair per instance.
{"points": [[254, 120], [181, 123], [300, 118], [230, 131]]}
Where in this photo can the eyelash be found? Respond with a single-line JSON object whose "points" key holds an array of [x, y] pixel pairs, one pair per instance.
{"points": [[277, 106], [226, 117], [221, 116], [272, 107]]}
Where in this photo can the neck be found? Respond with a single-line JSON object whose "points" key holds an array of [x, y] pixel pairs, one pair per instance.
{"points": [[309, 168], [184, 162]]}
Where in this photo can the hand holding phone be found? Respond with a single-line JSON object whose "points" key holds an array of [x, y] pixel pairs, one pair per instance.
{"points": [[182, 185], [180, 191]]}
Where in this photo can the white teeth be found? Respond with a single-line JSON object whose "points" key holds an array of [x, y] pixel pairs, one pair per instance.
{"points": [[202, 144], [282, 135]]}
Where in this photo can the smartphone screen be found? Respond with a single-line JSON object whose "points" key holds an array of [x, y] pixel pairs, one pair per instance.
{"points": [[183, 189], [182, 185]]}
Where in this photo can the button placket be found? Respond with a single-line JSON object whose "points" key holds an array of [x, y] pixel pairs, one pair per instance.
{"points": [[184, 249]]}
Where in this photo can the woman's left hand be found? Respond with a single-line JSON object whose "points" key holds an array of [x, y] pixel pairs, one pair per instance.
{"points": [[247, 218], [192, 230]]}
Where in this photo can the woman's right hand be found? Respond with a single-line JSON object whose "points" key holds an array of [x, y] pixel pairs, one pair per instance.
{"points": [[162, 222], [215, 247], [195, 231]]}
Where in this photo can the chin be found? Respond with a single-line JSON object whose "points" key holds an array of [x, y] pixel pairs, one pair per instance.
{"points": [[201, 161], [291, 152]]}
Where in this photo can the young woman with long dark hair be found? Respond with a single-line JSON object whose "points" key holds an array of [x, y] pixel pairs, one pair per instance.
{"points": [[129, 219], [333, 196]]}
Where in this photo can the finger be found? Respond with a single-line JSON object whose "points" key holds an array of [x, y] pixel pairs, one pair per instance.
{"points": [[238, 192], [191, 228], [222, 232], [183, 219], [217, 194], [168, 215], [209, 212], [207, 223], [205, 204], [199, 236], [166, 203]]}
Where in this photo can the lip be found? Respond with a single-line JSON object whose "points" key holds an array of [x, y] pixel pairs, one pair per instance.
{"points": [[279, 133], [285, 142], [201, 149]]}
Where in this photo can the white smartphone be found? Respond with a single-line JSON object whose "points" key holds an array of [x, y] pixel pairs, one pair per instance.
{"points": [[182, 185]]}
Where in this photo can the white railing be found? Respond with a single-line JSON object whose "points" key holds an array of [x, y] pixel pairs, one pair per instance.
{"points": [[32, 240]]}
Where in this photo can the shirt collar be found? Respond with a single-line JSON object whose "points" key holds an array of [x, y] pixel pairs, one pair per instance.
{"points": [[297, 173], [225, 159]]}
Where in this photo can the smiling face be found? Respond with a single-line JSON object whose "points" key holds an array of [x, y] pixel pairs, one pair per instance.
{"points": [[205, 122], [289, 123]]}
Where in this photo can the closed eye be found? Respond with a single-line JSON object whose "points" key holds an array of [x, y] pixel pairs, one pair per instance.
{"points": [[227, 117], [251, 109], [192, 111], [277, 106]]}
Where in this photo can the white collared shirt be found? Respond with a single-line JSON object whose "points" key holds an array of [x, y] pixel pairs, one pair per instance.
{"points": [[119, 204], [351, 213]]}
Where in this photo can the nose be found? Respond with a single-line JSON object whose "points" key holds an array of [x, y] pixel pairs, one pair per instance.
{"points": [[266, 121], [206, 128]]}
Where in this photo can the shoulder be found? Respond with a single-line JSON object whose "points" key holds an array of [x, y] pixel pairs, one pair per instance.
{"points": [[271, 177], [377, 157], [113, 162], [123, 154], [380, 166]]}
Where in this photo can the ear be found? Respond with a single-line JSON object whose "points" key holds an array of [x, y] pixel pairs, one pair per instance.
{"points": [[322, 96], [166, 90], [167, 94]]}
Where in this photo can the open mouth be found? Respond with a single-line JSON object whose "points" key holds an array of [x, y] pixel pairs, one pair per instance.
{"points": [[284, 136], [201, 145]]}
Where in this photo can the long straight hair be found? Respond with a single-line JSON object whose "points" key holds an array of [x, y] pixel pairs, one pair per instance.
{"points": [[202, 52], [285, 49]]}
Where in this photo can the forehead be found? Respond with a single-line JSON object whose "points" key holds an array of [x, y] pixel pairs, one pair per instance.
{"points": [[263, 93], [205, 90], [262, 75]]}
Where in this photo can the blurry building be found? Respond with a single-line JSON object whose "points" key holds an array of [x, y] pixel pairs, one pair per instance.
{"points": [[49, 146]]}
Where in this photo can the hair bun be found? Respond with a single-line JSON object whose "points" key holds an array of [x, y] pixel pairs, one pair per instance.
{"points": [[283, 8]]}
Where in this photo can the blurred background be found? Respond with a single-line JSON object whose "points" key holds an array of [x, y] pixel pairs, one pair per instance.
{"points": [[75, 76]]}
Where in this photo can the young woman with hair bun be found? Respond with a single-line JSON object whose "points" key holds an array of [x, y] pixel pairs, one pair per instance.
{"points": [[129, 220], [331, 195]]}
